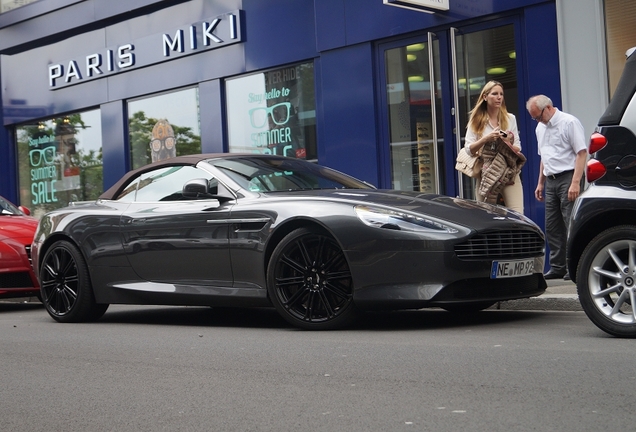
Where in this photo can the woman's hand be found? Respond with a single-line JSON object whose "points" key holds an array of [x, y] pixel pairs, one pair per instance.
{"points": [[492, 136]]}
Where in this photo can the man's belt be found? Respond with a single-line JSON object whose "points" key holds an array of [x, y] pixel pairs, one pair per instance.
{"points": [[556, 176]]}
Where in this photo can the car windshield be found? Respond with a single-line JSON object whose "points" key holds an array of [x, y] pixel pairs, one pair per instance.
{"points": [[6, 208], [279, 174]]}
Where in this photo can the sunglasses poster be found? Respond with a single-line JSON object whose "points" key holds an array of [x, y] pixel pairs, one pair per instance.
{"points": [[273, 112], [60, 161]]}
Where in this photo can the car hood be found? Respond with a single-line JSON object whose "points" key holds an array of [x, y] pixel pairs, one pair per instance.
{"points": [[18, 227], [470, 213]]}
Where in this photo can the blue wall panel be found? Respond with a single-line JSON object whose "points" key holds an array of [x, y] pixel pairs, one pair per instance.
{"points": [[114, 138], [542, 76], [278, 32], [365, 20], [331, 29], [213, 130], [349, 134]]}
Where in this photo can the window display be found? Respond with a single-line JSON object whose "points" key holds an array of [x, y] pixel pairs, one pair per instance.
{"points": [[60, 161], [164, 126], [273, 112], [416, 155]]}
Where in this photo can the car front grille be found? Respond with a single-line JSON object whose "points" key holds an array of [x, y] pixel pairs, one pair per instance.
{"points": [[510, 244]]}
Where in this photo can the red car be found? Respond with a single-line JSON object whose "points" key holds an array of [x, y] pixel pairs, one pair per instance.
{"points": [[16, 234]]}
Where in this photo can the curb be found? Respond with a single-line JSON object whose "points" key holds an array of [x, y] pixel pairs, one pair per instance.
{"points": [[545, 302]]}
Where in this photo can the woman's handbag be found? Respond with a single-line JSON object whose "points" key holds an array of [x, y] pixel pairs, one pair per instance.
{"points": [[467, 163]]}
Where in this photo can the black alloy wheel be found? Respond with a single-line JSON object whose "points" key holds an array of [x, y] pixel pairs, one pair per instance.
{"points": [[65, 285], [309, 281], [606, 281]]}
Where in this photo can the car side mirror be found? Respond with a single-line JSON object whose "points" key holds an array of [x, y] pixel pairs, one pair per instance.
{"points": [[196, 188], [25, 210]]}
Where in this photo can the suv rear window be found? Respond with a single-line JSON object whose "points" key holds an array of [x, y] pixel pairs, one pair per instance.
{"points": [[623, 94]]}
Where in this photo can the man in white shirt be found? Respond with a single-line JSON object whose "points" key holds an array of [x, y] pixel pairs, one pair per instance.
{"points": [[563, 149]]}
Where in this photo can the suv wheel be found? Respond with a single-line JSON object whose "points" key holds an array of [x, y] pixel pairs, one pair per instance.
{"points": [[607, 281]]}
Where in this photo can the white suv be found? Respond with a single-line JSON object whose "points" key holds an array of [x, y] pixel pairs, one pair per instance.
{"points": [[601, 248]]}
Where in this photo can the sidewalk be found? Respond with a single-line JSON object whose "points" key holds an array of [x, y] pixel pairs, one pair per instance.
{"points": [[560, 296]]}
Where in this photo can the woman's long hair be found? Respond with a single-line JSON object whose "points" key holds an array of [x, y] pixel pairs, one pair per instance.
{"points": [[479, 114]]}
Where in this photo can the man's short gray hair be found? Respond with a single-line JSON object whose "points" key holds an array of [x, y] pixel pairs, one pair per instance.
{"points": [[541, 101]]}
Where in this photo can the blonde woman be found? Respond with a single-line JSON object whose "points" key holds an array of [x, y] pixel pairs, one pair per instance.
{"points": [[487, 120]]}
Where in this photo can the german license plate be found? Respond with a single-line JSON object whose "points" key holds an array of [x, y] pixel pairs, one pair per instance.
{"points": [[509, 269]]}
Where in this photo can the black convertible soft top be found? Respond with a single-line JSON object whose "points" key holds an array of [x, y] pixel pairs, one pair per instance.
{"points": [[189, 160]]}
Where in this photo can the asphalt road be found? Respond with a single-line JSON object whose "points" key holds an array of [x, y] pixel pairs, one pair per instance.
{"points": [[200, 369]]}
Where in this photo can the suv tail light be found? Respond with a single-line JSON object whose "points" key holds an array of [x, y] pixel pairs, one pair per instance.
{"points": [[597, 142], [595, 169]]}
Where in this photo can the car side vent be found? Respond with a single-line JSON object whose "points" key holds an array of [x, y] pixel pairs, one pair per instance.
{"points": [[501, 245], [28, 252]]}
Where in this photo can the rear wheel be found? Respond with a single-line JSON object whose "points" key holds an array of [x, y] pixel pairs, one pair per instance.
{"points": [[606, 279], [309, 281], [66, 287]]}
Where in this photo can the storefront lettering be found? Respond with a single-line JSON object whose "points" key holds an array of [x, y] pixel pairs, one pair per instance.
{"points": [[284, 75], [288, 150], [272, 137], [43, 192], [34, 142], [216, 32], [93, 65], [42, 156], [207, 36], [272, 94]]}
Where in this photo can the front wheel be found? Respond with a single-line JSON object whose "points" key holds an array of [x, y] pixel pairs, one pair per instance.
{"points": [[65, 285], [309, 281], [607, 281]]}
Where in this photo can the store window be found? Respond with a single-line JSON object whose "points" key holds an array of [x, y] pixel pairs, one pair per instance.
{"points": [[417, 153], [164, 126], [273, 112], [620, 16], [60, 161]]}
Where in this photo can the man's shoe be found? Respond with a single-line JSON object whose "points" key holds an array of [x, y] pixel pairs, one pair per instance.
{"points": [[553, 275], [567, 277]]}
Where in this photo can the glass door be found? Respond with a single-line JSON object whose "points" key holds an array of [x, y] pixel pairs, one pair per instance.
{"points": [[479, 57], [413, 97], [432, 83]]}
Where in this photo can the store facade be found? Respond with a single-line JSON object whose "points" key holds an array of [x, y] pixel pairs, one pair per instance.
{"points": [[92, 89]]}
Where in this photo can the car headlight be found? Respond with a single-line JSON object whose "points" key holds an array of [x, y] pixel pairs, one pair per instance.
{"points": [[401, 221]]}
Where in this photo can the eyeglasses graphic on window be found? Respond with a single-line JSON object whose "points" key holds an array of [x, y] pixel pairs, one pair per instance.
{"points": [[279, 114], [168, 143], [46, 154]]}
